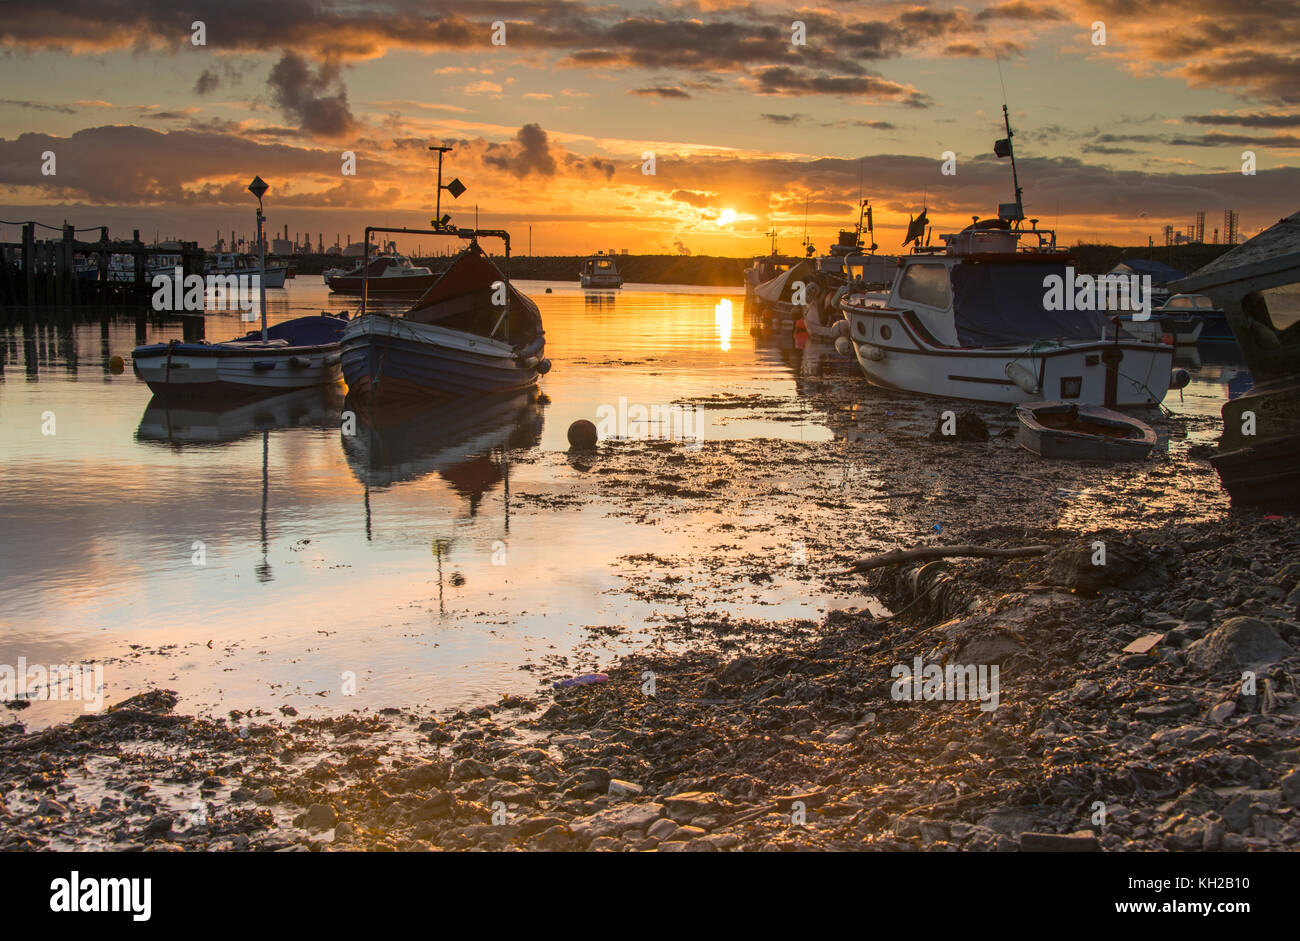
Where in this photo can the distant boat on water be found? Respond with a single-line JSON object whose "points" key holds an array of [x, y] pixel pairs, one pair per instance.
{"points": [[228, 263], [600, 272], [388, 274]]}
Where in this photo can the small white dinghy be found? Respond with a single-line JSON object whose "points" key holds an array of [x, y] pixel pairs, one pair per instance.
{"points": [[1074, 431]]}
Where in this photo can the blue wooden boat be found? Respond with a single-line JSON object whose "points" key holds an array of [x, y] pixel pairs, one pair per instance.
{"points": [[457, 340]]}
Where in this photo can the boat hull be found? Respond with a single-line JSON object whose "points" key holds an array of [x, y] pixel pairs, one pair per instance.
{"points": [[1128, 438], [388, 359], [1264, 474], [274, 276], [1258, 457], [893, 354], [602, 282], [198, 370], [412, 285]]}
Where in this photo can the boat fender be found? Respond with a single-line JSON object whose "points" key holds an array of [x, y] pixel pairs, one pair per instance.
{"points": [[1179, 379], [840, 328], [1022, 377], [873, 353], [528, 362], [300, 361], [839, 295], [843, 346], [544, 367]]}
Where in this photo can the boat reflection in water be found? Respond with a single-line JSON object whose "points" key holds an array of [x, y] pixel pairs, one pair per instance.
{"points": [[180, 423], [177, 425], [467, 442]]}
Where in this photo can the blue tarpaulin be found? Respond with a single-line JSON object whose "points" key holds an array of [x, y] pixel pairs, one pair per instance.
{"points": [[1001, 304]]}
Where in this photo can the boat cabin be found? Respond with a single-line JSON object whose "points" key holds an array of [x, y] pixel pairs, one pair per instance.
{"points": [[981, 290], [599, 265]]}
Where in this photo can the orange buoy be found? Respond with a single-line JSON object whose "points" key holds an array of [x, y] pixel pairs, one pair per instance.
{"points": [[116, 365]]}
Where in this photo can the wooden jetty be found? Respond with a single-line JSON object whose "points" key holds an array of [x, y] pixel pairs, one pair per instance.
{"points": [[44, 272]]}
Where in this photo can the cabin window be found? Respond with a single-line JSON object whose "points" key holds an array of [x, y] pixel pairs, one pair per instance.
{"points": [[926, 284]]}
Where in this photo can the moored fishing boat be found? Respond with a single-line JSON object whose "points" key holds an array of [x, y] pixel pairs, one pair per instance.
{"points": [[849, 262], [973, 320], [228, 263], [1258, 454], [296, 354], [1082, 432], [471, 333], [388, 274]]}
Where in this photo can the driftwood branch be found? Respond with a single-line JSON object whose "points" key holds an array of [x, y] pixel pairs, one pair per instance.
{"points": [[896, 556]]}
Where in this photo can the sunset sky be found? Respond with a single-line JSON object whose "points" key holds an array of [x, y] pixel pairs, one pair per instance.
{"points": [[153, 132]]}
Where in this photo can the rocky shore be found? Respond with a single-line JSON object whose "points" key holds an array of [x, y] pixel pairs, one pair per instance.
{"points": [[1146, 701]]}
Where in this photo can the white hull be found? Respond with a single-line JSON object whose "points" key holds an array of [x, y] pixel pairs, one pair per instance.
{"points": [[257, 369], [275, 277], [895, 356]]}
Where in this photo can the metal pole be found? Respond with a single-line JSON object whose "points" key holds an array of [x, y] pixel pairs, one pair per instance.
{"points": [[365, 270], [261, 265]]}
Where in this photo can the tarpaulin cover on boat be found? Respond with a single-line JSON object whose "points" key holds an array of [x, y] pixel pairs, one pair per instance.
{"points": [[780, 287], [313, 330], [462, 300], [1001, 304]]}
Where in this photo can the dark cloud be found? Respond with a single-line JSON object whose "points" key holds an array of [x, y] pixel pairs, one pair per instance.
{"points": [[129, 164], [1234, 140], [784, 119], [731, 41], [692, 198], [1246, 120], [1213, 139], [1019, 10], [1245, 46], [38, 106], [584, 165], [529, 152], [1267, 74], [780, 80], [207, 82], [314, 98], [661, 91]]}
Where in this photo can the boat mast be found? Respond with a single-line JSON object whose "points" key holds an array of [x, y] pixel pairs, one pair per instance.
{"points": [[258, 188], [1011, 152]]}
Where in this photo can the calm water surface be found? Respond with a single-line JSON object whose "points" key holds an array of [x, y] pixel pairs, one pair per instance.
{"points": [[374, 554]]}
